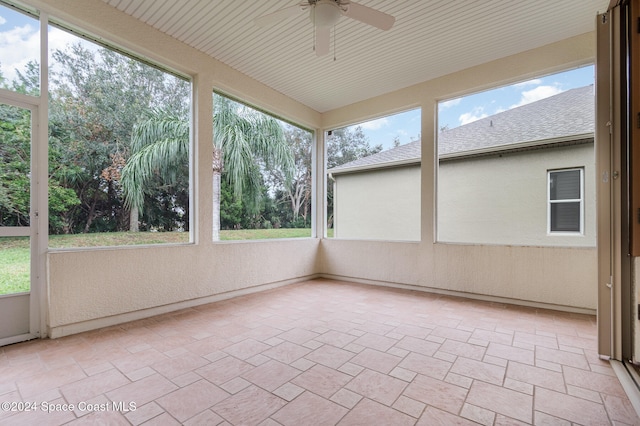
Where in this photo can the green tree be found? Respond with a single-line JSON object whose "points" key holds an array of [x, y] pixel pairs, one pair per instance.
{"points": [[15, 160], [61, 201], [96, 97], [231, 208], [296, 191], [245, 143], [347, 144], [243, 212], [28, 80], [159, 157], [15, 148]]}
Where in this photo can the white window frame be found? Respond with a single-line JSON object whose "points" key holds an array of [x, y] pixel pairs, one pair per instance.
{"points": [[567, 200]]}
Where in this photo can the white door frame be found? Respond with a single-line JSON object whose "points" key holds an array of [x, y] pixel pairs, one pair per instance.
{"points": [[615, 310], [14, 303]]}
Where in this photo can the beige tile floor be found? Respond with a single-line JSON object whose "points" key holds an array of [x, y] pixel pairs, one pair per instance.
{"points": [[321, 353]]}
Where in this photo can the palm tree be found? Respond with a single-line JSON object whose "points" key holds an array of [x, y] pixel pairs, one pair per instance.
{"points": [[245, 142], [160, 147]]}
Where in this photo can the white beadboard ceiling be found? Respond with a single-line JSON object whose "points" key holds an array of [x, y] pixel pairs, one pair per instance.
{"points": [[430, 38]]}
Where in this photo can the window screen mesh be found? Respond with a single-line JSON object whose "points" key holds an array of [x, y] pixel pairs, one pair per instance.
{"points": [[565, 185], [565, 217]]}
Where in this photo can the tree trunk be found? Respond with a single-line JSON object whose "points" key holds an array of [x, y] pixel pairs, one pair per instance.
{"points": [[133, 220], [217, 172], [91, 214], [216, 206]]}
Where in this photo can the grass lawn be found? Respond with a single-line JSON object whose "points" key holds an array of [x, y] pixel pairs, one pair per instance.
{"points": [[14, 265], [14, 252]]}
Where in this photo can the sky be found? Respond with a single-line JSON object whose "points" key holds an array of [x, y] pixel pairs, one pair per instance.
{"points": [[456, 112], [20, 40]]}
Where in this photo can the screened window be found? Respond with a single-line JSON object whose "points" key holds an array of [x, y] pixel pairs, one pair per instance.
{"points": [[373, 179], [565, 200], [490, 191], [262, 174], [119, 148]]}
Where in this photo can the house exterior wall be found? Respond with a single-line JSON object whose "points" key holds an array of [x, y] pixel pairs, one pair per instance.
{"points": [[502, 199], [379, 204], [564, 277], [96, 287], [497, 199]]}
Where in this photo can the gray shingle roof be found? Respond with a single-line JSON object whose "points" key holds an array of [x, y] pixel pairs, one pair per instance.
{"points": [[567, 114], [406, 153]]}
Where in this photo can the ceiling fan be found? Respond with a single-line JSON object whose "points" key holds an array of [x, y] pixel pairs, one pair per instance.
{"points": [[325, 14]]}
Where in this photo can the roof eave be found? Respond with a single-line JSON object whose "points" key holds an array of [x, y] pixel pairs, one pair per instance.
{"points": [[519, 146], [370, 167], [514, 147]]}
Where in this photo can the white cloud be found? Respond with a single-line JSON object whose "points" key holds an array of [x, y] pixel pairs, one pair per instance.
{"points": [[20, 45], [59, 39], [375, 124], [2, 20], [476, 114], [449, 104], [536, 94], [533, 82]]}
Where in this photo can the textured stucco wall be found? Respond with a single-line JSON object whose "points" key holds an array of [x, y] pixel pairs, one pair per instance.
{"points": [[90, 284], [502, 199], [496, 199], [555, 277], [378, 205]]}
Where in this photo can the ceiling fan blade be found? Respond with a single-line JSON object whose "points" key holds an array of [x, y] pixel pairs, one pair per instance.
{"points": [[369, 16], [323, 40], [279, 15]]}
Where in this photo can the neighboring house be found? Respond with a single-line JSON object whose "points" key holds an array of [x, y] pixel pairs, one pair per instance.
{"points": [[524, 176]]}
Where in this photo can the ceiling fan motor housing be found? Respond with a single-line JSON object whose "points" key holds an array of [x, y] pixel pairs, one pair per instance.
{"points": [[325, 13]]}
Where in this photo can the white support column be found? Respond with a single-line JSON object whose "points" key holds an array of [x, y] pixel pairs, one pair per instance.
{"points": [[201, 193]]}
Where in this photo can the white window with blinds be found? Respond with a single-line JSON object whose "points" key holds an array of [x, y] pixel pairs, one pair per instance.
{"points": [[565, 212]]}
